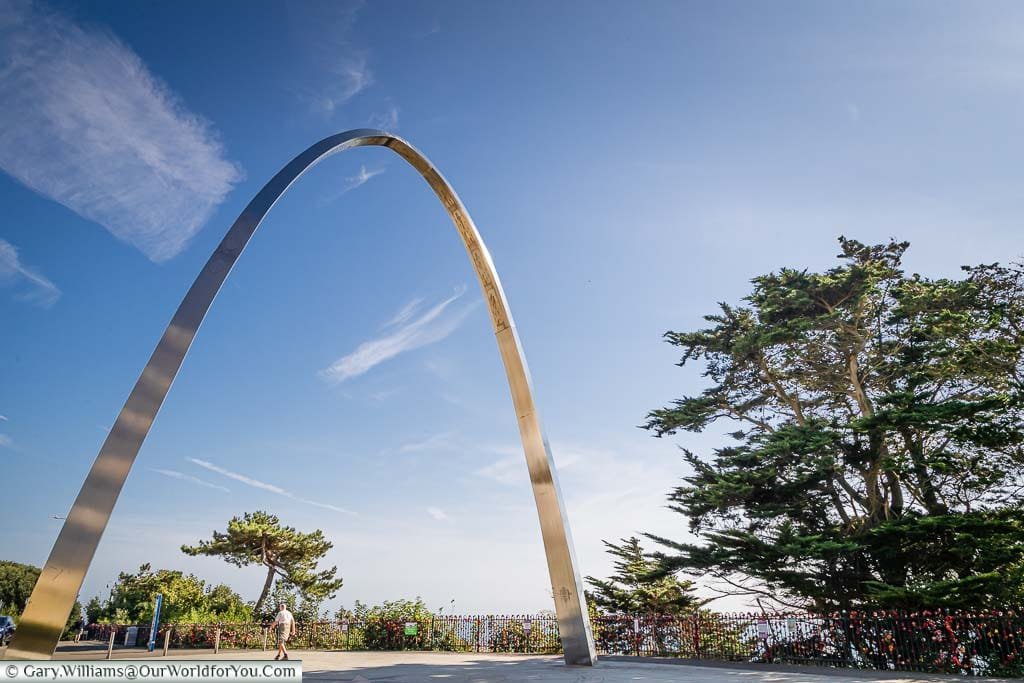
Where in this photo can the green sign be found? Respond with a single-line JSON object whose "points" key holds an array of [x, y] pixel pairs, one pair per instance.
{"points": [[410, 628]]}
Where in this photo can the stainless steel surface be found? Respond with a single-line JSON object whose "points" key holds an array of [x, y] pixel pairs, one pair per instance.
{"points": [[61, 578]]}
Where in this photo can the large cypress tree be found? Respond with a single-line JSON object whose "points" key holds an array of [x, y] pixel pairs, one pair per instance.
{"points": [[877, 455]]}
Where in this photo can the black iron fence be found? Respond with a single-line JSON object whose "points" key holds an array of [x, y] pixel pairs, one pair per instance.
{"points": [[990, 643]]}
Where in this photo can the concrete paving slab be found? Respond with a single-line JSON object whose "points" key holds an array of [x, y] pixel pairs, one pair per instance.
{"points": [[445, 667]]}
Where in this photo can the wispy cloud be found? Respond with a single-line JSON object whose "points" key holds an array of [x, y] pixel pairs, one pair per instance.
{"points": [[352, 182], [86, 124], [432, 326], [387, 121], [431, 443], [510, 467], [13, 272], [353, 76], [174, 474], [438, 514], [359, 179], [272, 488], [384, 394], [323, 31], [3, 418], [404, 313], [349, 77], [5, 440]]}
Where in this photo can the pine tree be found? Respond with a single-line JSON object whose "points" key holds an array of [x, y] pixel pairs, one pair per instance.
{"points": [[260, 538], [635, 588]]}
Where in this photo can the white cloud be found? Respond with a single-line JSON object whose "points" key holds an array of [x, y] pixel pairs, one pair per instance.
{"points": [[433, 326], [86, 124], [354, 76], [12, 271], [359, 179], [352, 182], [387, 121], [404, 313], [248, 481], [442, 440], [438, 514], [510, 469], [272, 488], [5, 440], [349, 77], [3, 418], [174, 474]]}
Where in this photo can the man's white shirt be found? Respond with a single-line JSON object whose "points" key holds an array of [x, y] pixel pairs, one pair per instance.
{"points": [[284, 617]]}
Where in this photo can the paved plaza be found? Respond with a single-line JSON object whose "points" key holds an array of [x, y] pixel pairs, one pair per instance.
{"points": [[471, 667]]}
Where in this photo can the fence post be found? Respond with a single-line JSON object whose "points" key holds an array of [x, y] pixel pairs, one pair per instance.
{"points": [[479, 634], [266, 632], [636, 636], [167, 639], [216, 641], [696, 636], [110, 645]]}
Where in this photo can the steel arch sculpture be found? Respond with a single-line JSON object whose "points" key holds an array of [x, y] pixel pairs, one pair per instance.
{"points": [[57, 588]]}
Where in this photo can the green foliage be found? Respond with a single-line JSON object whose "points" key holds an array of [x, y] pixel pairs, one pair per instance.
{"points": [[16, 583], [302, 608], [186, 600], [74, 622], [879, 441], [260, 538], [93, 610], [637, 586], [382, 627]]}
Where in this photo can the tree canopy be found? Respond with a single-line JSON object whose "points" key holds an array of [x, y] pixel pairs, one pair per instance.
{"points": [[876, 453], [16, 583], [260, 538], [636, 586], [303, 608], [187, 599]]}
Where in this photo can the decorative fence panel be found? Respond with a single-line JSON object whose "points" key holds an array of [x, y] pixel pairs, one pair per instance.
{"points": [[989, 643]]}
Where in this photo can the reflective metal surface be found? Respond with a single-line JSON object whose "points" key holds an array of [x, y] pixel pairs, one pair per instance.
{"points": [[61, 578]]}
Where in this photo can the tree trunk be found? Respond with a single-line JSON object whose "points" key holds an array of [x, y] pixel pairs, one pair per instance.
{"points": [[266, 590]]}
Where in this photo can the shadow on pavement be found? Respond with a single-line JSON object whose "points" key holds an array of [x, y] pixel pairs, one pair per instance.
{"points": [[435, 667]]}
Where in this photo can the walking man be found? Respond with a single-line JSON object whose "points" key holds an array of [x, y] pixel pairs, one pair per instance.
{"points": [[284, 628]]}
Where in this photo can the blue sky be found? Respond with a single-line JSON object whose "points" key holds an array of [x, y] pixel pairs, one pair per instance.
{"points": [[628, 166]]}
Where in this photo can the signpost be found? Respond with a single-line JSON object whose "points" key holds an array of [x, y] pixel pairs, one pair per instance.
{"points": [[156, 622], [411, 627]]}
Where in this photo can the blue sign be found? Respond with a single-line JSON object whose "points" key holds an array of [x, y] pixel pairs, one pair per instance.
{"points": [[156, 622]]}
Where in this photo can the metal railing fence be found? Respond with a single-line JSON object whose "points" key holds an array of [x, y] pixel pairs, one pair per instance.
{"points": [[967, 643]]}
